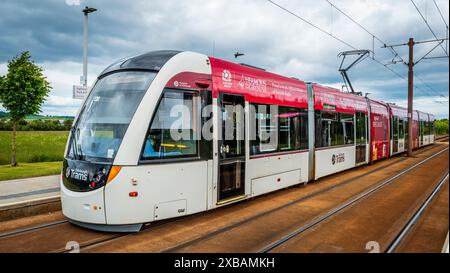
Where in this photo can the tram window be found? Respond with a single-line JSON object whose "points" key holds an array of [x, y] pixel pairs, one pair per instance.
{"points": [[348, 124], [304, 143], [360, 128], [395, 128], [401, 129], [337, 134], [265, 137], [422, 128], [277, 129], [289, 128], [175, 128], [333, 129]]}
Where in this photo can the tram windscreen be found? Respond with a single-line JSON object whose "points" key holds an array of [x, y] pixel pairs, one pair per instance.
{"points": [[106, 114]]}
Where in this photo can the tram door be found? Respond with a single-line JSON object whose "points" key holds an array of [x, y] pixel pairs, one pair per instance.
{"points": [[395, 134], [361, 137], [231, 146], [406, 134], [401, 135]]}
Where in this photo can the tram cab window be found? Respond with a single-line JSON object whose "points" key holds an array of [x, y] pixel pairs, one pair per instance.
{"points": [[175, 128]]}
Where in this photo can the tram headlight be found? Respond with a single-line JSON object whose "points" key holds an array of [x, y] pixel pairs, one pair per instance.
{"points": [[113, 172]]}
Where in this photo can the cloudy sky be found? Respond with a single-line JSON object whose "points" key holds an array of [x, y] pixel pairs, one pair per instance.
{"points": [[269, 36]]}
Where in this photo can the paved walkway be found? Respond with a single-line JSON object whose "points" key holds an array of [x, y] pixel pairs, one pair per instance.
{"points": [[27, 189]]}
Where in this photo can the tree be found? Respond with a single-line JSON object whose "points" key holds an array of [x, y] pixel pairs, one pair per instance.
{"points": [[441, 127], [22, 91]]}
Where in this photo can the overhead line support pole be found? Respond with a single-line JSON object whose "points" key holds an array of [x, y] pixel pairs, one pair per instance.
{"points": [[410, 94]]}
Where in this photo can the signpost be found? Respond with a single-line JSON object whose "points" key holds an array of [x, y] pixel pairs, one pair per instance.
{"points": [[80, 92]]}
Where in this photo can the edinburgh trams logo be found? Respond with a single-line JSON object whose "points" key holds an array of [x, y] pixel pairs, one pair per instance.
{"points": [[226, 78], [77, 174], [338, 158]]}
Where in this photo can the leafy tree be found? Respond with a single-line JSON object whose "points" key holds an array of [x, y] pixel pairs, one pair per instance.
{"points": [[441, 127], [22, 91]]}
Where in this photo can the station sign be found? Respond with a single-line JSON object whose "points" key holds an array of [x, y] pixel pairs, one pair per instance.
{"points": [[80, 92]]}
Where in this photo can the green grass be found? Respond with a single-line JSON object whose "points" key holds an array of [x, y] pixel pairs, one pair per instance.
{"points": [[33, 146], [29, 170]]}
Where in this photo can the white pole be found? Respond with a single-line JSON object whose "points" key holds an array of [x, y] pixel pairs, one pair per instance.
{"points": [[85, 48]]}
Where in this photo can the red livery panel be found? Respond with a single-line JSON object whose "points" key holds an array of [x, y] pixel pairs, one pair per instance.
{"points": [[379, 121], [256, 85], [398, 111], [327, 97], [259, 86]]}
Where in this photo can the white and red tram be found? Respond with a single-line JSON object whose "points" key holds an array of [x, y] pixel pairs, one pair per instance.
{"points": [[168, 133]]}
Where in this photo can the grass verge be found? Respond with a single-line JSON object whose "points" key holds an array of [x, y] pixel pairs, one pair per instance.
{"points": [[25, 170], [33, 146]]}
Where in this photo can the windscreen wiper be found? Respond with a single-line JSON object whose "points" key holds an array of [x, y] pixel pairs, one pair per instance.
{"points": [[74, 143], [79, 150], [73, 131]]}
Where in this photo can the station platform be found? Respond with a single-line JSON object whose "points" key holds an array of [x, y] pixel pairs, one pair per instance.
{"points": [[28, 196]]}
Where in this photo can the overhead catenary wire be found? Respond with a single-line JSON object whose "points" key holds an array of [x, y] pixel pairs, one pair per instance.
{"points": [[393, 51], [338, 39], [311, 24], [429, 87], [428, 25], [440, 13], [445, 23], [375, 37]]}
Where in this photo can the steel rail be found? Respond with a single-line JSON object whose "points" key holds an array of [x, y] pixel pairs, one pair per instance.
{"points": [[154, 225], [339, 209], [293, 202], [417, 215], [32, 228]]}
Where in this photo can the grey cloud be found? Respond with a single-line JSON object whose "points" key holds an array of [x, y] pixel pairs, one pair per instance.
{"points": [[269, 37]]}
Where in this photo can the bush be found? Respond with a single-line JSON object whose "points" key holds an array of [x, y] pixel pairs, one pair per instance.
{"points": [[37, 125], [441, 127]]}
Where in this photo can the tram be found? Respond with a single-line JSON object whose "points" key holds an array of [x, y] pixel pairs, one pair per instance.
{"points": [[167, 134]]}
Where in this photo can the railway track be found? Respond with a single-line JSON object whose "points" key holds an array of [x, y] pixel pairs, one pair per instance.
{"points": [[359, 198], [95, 241], [408, 227], [209, 236], [442, 138], [32, 228], [114, 236]]}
